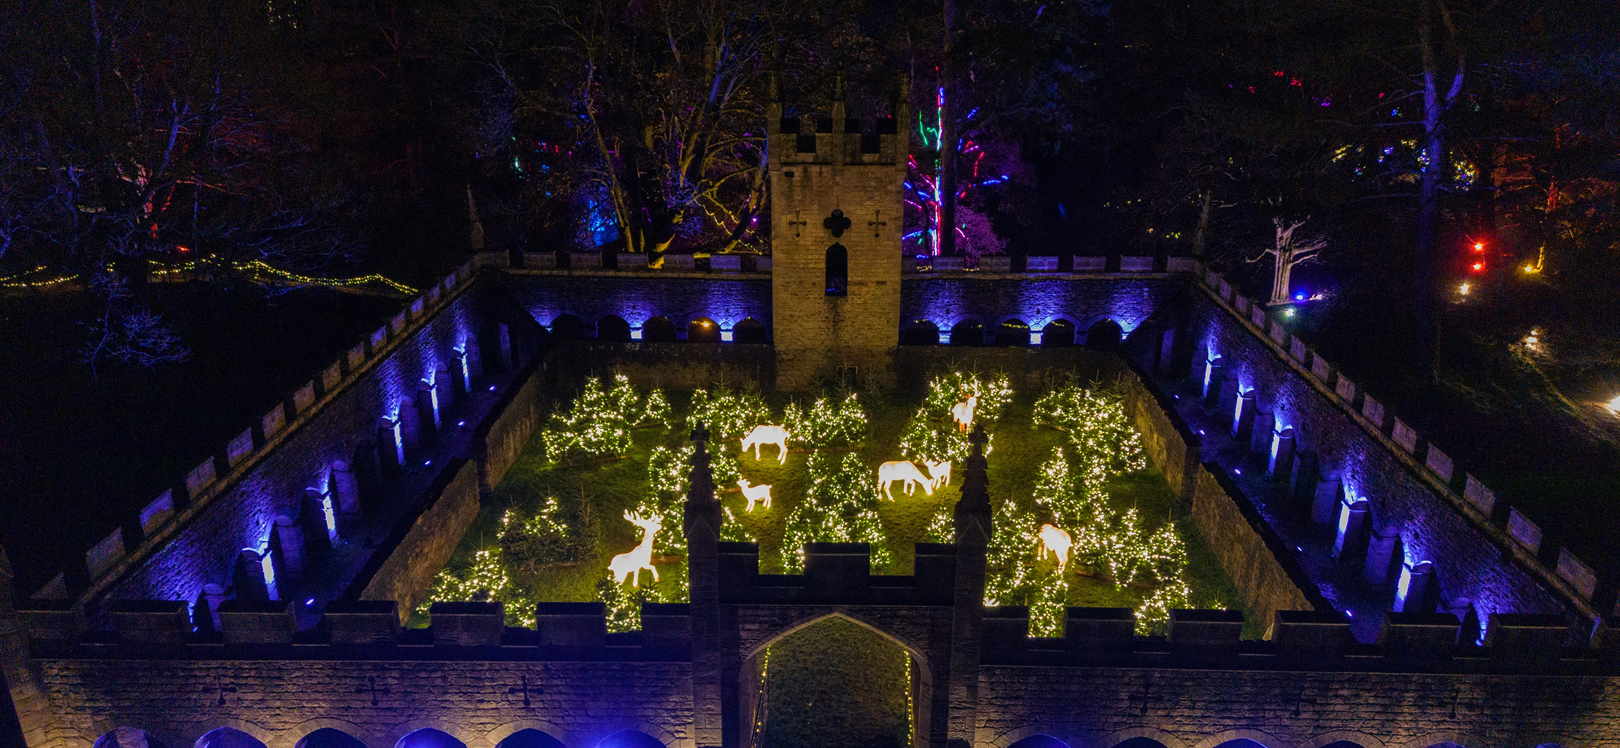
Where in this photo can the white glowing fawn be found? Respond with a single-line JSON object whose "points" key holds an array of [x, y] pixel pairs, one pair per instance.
{"points": [[1056, 541], [755, 493], [630, 564], [963, 412], [940, 472], [903, 470], [767, 435]]}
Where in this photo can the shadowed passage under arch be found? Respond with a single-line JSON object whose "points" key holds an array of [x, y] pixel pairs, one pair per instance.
{"points": [[228, 737], [1139, 743], [1039, 741], [834, 682], [967, 332], [1057, 334], [629, 739], [428, 737], [128, 737], [750, 331], [529, 738], [567, 327], [1013, 332], [613, 328], [1104, 336], [919, 332], [702, 330], [328, 737], [659, 330]]}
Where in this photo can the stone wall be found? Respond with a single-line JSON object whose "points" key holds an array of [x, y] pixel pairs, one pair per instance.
{"points": [[500, 439], [423, 541], [200, 545], [1193, 708], [379, 701], [636, 298], [1036, 300], [1028, 369], [1472, 560], [1259, 565], [674, 366]]}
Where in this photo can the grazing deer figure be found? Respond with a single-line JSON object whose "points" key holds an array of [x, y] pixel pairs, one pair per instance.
{"points": [[889, 472], [767, 435], [939, 472], [963, 412], [630, 564], [755, 493], [1056, 541]]}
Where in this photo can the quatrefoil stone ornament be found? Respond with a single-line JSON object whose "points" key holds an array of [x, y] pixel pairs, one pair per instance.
{"points": [[837, 223]]}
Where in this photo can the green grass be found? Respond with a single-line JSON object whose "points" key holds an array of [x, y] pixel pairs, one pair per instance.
{"points": [[834, 683], [605, 489]]}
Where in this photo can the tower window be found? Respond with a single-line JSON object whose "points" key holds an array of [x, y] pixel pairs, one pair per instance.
{"points": [[837, 270]]}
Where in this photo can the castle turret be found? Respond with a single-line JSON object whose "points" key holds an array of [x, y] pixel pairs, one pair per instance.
{"points": [[836, 207]]}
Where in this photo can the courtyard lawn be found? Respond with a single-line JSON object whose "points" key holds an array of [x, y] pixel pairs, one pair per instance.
{"points": [[594, 494]]}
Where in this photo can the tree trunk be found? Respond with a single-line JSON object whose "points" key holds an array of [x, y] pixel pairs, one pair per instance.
{"points": [[1203, 225], [1281, 277], [947, 138], [1435, 104]]}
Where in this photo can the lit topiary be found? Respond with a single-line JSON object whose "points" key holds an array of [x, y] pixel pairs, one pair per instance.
{"points": [[727, 414], [840, 507], [824, 424], [599, 422], [655, 411]]}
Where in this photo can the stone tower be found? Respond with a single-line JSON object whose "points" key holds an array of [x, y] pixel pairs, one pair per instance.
{"points": [[836, 215]]}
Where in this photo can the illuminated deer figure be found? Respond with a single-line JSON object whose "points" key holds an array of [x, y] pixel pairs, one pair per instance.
{"points": [[889, 472], [1056, 541], [939, 472], [963, 412], [630, 564], [755, 493], [767, 435]]}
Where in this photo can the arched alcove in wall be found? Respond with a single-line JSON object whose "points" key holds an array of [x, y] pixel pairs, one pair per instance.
{"points": [[1241, 743], [834, 680], [613, 328], [1039, 741], [1105, 335], [428, 737], [1012, 332], [228, 737], [702, 330], [967, 332], [128, 737], [630, 739], [659, 330], [529, 738], [1057, 334], [919, 332], [329, 737], [837, 270], [750, 331], [567, 327], [1138, 742]]}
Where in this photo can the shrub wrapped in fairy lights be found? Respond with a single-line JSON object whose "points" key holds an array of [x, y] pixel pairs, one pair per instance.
{"points": [[839, 507], [600, 420], [525, 544], [933, 435], [726, 413], [826, 423]]}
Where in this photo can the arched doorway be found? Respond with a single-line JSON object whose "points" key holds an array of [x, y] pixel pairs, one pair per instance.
{"points": [[834, 681], [967, 332], [1104, 336], [1012, 332], [567, 327], [630, 739], [837, 270], [750, 331], [428, 737], [613, 328], [1039, 741], [659, 330], [1057, 334], [128, 737], [919, 332], [702, 330], [228, 737], [529, 738], [327, 737], [1139, 743]]}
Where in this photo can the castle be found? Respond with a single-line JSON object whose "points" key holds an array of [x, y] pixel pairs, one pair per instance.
{"points": [[1403, 605]]}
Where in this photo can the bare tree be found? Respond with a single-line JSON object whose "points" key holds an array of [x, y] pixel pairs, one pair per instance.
{"points": [[1288, 252]]}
